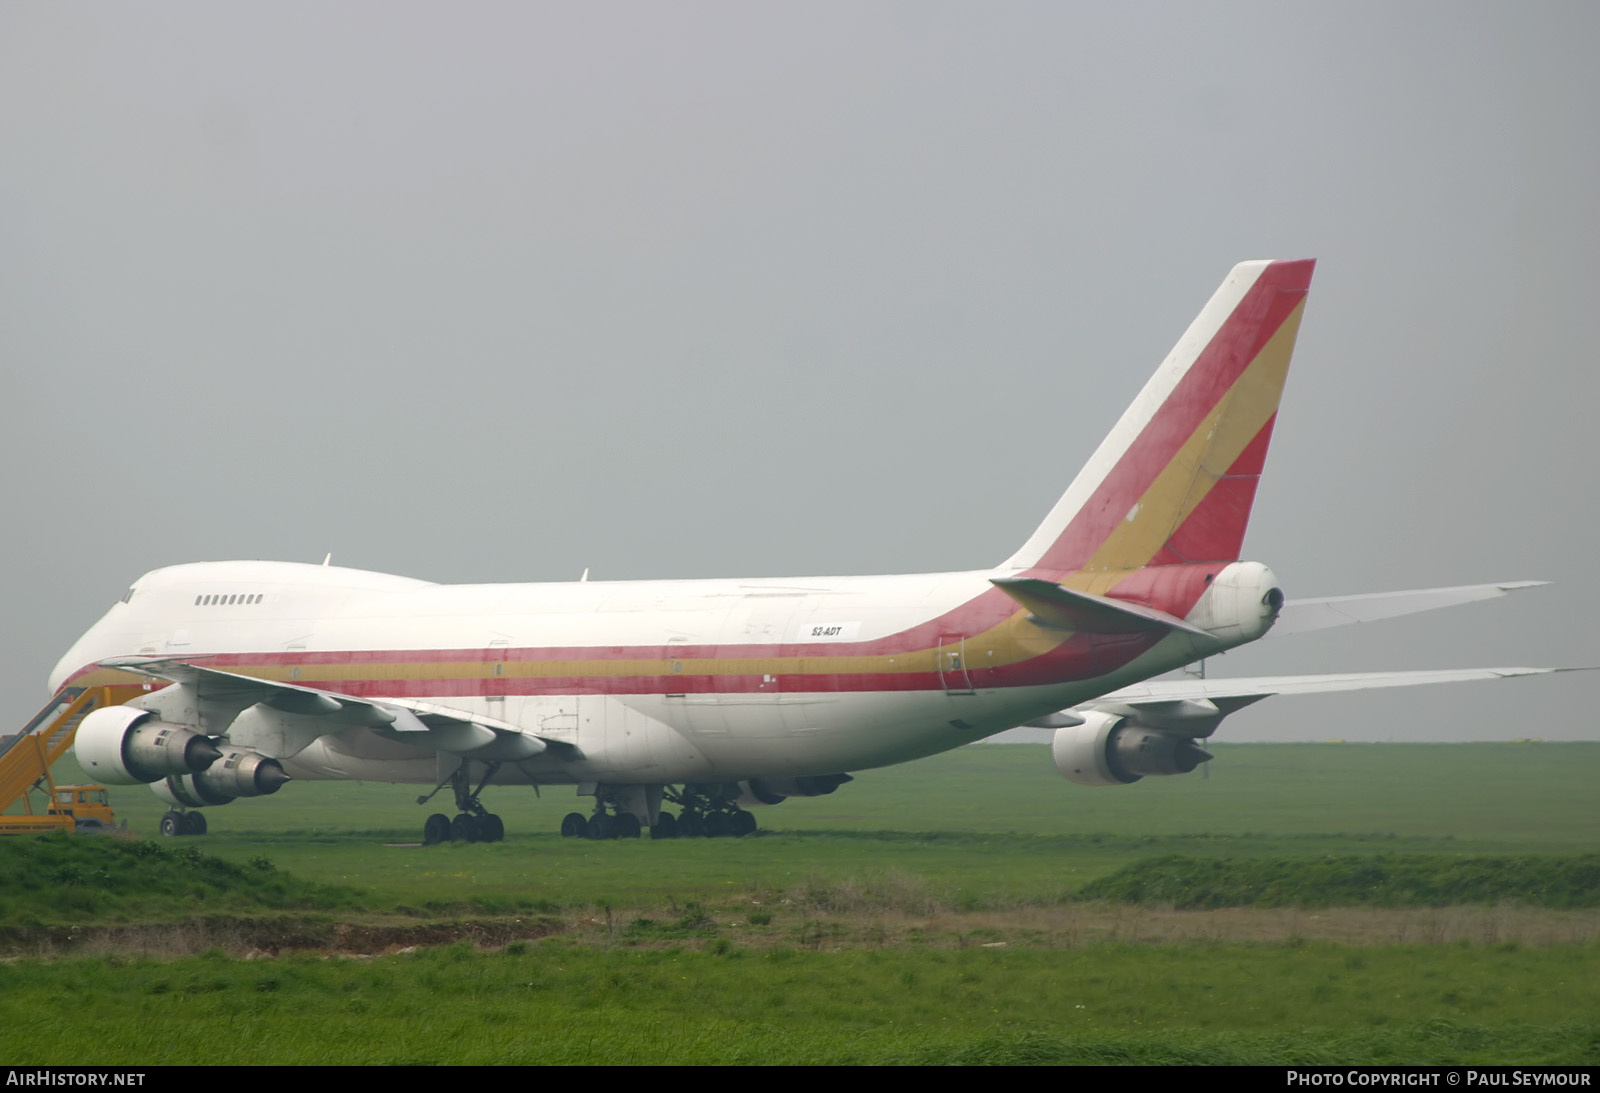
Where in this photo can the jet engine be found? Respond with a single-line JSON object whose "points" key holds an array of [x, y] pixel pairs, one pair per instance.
{"points": [[242, 773], [125, 746], [773, 791], [1109, 750]]}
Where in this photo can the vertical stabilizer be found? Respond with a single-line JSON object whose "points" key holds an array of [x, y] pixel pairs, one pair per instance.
{"points": [[1175, 480]]}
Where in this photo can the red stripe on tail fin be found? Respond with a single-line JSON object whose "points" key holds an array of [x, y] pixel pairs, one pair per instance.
{"points": [[1176, 478]]}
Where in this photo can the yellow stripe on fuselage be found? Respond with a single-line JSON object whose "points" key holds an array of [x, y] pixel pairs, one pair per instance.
{"points": [[1010, 642]]}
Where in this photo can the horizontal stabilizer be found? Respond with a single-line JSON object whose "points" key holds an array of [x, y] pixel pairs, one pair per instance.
{"points": [[1052, 605], [1300, 616]]}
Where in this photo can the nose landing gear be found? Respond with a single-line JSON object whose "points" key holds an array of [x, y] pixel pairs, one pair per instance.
{"points": [[177, 822]]}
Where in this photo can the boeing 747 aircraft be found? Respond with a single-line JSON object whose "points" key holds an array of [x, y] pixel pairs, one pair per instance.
{"points": [[712, 696]]}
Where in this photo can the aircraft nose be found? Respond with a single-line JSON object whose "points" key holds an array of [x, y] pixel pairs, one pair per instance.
{"points": [[75, 658], [58, 676]]}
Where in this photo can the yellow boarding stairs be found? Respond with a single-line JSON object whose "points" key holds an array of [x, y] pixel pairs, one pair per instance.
{"points": [[25, 762]]}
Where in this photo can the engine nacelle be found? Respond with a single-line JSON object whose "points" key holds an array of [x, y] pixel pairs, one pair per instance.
{"points": [[1107, 751], [773, 791], [242, 773], [126, 746]]}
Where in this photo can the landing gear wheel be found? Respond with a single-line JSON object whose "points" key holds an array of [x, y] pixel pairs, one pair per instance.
{"points": [[194, 823], [171, 824], [628, 826], [436, 830], [744, 823], [602, 826], [691, 826], [473, 822], [666, 827], [574, 825], [718, 825]]}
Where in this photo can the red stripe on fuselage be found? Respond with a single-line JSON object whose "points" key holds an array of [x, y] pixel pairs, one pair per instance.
{"points": [[1077, 657], [1080, 657]]}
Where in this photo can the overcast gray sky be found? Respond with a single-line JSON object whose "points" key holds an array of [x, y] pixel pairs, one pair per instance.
{"points": [[497, 292]]}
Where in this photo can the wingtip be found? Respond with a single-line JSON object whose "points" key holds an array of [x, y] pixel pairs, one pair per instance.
{"points": [[1511, 673]]}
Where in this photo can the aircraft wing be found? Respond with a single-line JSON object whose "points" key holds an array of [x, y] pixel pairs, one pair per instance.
{"points": [[311, 712], [1196, 707], [1241, 692], [1300, 616]]}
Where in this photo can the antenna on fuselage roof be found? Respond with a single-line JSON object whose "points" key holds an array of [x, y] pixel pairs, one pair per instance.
{"points": [[585, 576], [328, 558]]}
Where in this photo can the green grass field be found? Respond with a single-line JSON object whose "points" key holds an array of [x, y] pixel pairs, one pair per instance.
{"points": [[925, 913]]}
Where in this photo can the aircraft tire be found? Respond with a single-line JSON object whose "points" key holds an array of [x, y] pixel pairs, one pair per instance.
{"points": [[666, 827], [628, 826], [602, 826], [436, 830], [717, 825], [464, 829], [491, 829], [691, 826], [171, 824], [744, 823], [194, 823], [574, 825]]}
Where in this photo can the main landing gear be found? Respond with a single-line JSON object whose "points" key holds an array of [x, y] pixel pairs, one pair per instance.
{"points": [[602, 825], [473, 823], [468, 827], [706, 811]]}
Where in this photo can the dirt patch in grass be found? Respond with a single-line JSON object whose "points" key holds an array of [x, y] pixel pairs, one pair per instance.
{"points": [[814, 929], [267, 937], [1093, 924]]}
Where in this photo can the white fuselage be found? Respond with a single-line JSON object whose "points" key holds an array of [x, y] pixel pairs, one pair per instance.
{"points": [[649, 682]]}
